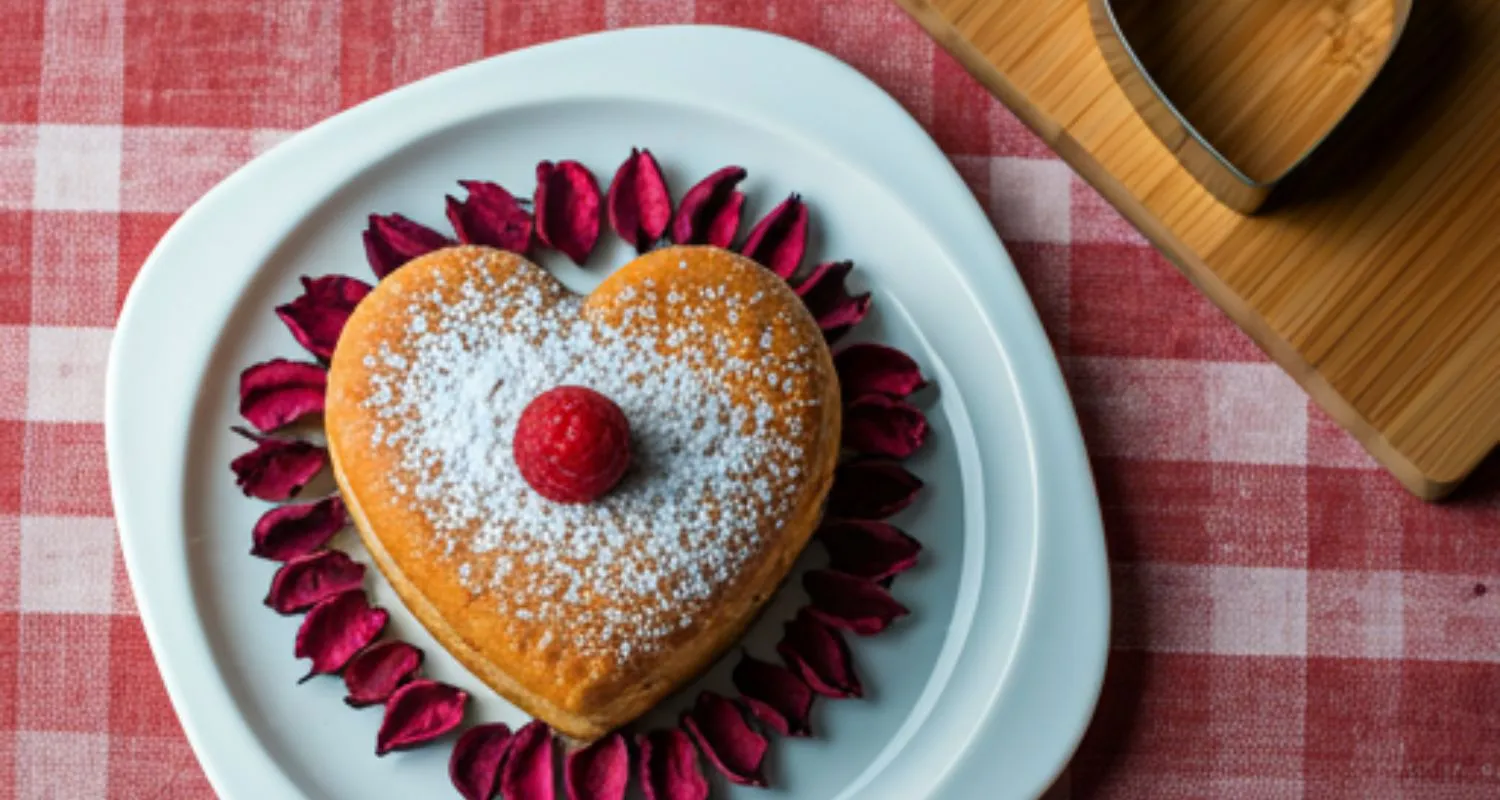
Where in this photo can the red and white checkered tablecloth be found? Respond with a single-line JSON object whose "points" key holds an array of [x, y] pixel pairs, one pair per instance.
{"points": [[1288, 622]]}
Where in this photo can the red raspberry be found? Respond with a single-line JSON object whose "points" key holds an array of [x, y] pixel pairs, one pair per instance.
{"points": [[572, 444]]}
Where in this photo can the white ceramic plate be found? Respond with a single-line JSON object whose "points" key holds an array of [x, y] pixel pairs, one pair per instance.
{"points": [[983, 692]]}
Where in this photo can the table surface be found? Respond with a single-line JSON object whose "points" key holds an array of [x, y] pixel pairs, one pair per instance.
{"points": [[1288, 621]]}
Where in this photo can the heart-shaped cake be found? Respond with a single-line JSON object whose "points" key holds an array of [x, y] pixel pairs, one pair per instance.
{"points": [[584, 614]]}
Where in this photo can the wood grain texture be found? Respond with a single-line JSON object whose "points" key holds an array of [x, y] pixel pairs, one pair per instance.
{"points": [[1264, 80], [1372, 275]]}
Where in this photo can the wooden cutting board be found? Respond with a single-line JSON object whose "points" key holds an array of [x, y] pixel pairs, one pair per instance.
{"points": [[1372, 275]]}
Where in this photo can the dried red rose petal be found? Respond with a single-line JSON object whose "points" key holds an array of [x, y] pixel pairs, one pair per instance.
{"points": [[728, 741], [307, 580], [285, 532], [600, 771], [869, 368], [337, 628], [276, 469], [775, 695], [820, 656], [668, 764], [871, 550], [279, 392], [829, 301], [640, 207], [527, 773], [710, 211], [419, 712], [392, 240], [567, 208], [878, 425], [474, 767], [317, 316], [780, 238], [769, 717], [490, 216], [871, 488], [854, 604], [377, 672]]}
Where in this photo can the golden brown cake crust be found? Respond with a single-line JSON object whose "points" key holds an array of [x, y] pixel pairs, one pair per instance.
{"points": [[584, 617]]}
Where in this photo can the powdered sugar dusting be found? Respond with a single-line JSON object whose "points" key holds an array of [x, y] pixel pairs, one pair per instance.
{"points": [[711, 472]]}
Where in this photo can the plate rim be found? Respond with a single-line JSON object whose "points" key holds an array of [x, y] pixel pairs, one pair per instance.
{"points": [[1063, 640]]}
